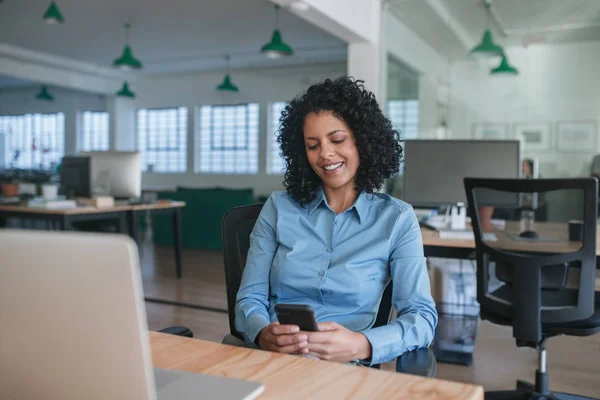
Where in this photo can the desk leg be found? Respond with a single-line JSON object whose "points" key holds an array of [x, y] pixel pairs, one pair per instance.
{"points": [[177, 239], [134, 226], [65, 223], [122, 221]]}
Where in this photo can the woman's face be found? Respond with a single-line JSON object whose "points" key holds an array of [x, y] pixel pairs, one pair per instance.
{"points": [[331, 149]]}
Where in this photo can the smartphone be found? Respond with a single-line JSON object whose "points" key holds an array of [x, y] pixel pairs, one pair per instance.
{"points": [[301, 315]]}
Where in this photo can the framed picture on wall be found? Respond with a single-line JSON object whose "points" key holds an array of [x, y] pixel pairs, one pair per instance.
{"points": [[576, 137], [534, 136], [490, 131]]}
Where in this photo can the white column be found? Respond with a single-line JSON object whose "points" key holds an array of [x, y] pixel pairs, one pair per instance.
{"points": [[122, 123], [364, 63]]}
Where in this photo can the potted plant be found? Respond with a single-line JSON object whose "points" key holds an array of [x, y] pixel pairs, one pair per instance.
{"points": [[10, 183]]}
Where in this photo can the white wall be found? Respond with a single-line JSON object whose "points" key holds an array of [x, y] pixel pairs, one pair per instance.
{"points": [[556, 83], [402, 43], [262, 86], [69, 102]]}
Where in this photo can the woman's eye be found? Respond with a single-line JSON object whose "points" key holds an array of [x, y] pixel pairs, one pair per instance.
{"points": [[338, 141], [313, 147]]}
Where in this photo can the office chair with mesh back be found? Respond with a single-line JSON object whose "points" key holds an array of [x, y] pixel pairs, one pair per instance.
{"points": [[236, 228], [540, 283]]}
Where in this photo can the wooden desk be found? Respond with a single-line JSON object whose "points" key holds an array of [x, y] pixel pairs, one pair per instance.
{"points": [[296, 377], [454, 248], [125, 217]]}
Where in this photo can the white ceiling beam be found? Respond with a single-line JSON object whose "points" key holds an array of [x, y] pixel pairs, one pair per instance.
{"points": [[353, 21], [461, 33], [53, 70]]}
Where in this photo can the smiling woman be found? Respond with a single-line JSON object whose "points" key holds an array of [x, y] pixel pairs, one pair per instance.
{"points": [[336, 110], [330, 242]]}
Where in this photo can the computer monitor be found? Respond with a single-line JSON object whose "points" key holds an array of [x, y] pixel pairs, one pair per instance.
{"points": [[116, 173], [75, 176], [73, 324], [434, 169]]}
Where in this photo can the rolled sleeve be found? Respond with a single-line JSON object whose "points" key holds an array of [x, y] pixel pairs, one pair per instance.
{"points": [[252, 302], [416, 319]]}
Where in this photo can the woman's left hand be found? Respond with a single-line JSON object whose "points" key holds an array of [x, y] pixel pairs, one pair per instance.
{"points": [[333, 342]]}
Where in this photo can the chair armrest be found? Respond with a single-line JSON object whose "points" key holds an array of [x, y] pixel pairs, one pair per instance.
{"points": [[417, 362], [178, 331]]}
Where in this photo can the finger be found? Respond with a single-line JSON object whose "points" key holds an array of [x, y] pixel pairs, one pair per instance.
{"points": [[319, 337], [319, 348], [328, 326], [284, 340], [292, 348], [326, 357], [285, 329]]}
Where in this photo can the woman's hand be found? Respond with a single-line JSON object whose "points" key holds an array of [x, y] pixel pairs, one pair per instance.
{"points": [[282, 338], [333, 342]]}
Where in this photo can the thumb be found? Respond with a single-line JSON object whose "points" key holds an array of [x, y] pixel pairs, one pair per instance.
{"points": [[328, 326]]}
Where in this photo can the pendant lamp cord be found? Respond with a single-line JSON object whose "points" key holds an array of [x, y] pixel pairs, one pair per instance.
{"points": [[276, 16]]}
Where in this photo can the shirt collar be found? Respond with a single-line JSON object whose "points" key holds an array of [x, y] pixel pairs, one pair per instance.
{"points": [[360, 205]]}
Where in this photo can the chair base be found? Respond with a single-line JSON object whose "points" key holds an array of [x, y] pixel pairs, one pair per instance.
{"points": [[526, 391], [178, 331]]}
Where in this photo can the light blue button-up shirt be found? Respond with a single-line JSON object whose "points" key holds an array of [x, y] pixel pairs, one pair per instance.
{"points": [[340, 265]]}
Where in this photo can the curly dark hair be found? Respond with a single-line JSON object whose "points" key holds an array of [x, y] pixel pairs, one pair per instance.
{"points": [[376, 141]]}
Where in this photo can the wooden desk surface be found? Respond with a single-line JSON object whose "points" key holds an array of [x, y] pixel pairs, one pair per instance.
{"points": [[94, 210], [555, 230], [296, 377]]}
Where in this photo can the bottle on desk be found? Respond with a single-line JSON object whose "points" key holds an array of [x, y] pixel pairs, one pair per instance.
{"points": [[458, 217]]}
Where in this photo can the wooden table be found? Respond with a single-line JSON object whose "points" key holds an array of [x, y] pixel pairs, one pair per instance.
{"points": [[125, 217], [296, 377], [434, 246]]}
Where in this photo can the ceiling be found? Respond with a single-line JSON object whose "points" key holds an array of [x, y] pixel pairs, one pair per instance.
{"points": [[166, 35], [449, 26], [7, 82]]}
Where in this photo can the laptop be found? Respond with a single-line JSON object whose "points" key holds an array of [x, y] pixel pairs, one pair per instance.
{"points": [[73, 324]]}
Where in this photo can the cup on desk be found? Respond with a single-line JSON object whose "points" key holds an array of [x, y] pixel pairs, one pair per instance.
{"points": [[49, 191], [576, 231]]}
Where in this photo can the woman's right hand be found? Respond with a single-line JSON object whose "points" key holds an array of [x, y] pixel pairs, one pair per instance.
{"points": [[282, 338]]}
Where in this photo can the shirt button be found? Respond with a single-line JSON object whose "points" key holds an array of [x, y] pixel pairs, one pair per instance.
{"points": [[336, 222], [322, 273], [329, 249]]}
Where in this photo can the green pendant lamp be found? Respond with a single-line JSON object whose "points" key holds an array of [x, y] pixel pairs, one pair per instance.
{"points": [[125, 91], [276, 47], [53, 15], [227, 86], [44, 94], [487, 48], [504, 68], [127, 61]]}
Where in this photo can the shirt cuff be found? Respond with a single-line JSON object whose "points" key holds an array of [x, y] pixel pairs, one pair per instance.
{"points": [[254, 324], [378, 338]]}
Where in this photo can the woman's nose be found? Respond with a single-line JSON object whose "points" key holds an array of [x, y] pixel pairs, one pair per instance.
{"points": [[326, 151]]}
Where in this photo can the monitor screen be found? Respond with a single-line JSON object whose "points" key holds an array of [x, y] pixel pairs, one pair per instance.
{"points": [[434, 169], [75, 176], [116, 173]]}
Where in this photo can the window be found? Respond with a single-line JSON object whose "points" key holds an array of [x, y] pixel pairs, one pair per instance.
{"points": [[162, 139], [404, 115], [227, 142], [275, 163], [94, 131], [33, 140]]}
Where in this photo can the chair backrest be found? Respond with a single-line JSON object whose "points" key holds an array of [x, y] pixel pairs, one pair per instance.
{"points": [[236, 228], [531, 272]]}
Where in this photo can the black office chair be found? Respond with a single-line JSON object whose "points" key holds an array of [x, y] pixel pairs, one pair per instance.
{"points": [[535, 276], [236, 228]]}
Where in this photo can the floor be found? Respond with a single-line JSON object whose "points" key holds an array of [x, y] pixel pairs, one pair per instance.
{"points": [[573, 362]]}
